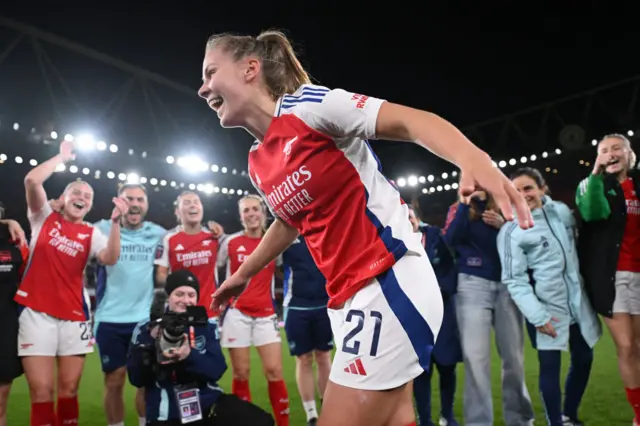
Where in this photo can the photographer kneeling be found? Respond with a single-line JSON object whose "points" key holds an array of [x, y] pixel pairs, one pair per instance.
{"points": [[177, 359]]}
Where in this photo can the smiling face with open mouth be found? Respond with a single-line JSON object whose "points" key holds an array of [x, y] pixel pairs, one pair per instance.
{"points": [[78, 200], [138, 206], [252, 213], [615, 153], [189, 209]]}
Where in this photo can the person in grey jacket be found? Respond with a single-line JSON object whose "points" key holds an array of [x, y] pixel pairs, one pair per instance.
{"points": [[541, 271]]}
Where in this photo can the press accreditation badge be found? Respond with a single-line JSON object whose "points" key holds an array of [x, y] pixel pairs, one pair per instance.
{"points": [[189, 405]]}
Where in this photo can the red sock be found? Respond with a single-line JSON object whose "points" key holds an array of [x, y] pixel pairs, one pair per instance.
{"points": [[633, 396], [67, 411], [43, 414], [279, 398], [240, 388]]}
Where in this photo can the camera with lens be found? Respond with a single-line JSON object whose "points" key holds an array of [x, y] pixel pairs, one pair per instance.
{"points": [[174, 326]]}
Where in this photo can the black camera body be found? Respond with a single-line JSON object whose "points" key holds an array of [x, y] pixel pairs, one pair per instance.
{"points": [[173, 328]]}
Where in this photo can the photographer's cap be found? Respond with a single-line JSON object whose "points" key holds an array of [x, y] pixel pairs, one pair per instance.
{"points": [[182, 277]]}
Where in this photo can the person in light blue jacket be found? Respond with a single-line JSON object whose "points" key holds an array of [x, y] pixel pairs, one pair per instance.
{"points": [[540, 269]]}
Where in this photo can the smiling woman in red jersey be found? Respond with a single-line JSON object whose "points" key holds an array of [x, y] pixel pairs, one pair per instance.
{"points": [[609, 249], [190, 246], [251, 318], [54, 326], [312, 163]]}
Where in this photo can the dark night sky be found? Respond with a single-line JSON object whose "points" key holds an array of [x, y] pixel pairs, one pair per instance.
{"points": [[465, 68]]}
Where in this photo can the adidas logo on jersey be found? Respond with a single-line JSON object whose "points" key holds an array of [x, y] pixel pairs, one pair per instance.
{"points": [[356, 367], [241, 248], [179, 247]]}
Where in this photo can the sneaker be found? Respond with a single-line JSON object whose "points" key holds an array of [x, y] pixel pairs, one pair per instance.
{"points": [[448, 422], [566, 421], [312, 422]]}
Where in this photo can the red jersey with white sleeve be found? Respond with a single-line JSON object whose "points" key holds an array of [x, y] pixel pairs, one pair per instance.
{"points": [[257, 299], [317, 172], [59, 253], [629, 258], [196, 253]]}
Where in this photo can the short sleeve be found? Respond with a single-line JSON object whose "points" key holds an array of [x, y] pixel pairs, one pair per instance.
{"points": [[162, 252], [36, 220], [104, 226], [340, 114], [98, 242], [223, 253]]}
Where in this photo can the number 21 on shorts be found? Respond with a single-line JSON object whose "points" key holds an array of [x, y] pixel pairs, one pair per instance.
{"points": [[350, 344]]}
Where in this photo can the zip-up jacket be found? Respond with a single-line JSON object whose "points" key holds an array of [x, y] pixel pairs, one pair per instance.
{"points": [[547, 254], [473, 241], [603, 210], [447, 350], [202, 368]]}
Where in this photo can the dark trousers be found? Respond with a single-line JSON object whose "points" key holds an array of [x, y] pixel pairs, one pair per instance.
{"points": [[577, 378], [422, 392]]}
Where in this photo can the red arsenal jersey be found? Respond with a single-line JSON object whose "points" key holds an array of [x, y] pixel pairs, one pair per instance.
{"points": [[629, 258], [317, 172], [59, 253], [195, 252], [257, 299]]}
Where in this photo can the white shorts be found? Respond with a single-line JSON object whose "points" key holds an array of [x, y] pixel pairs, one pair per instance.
{"points": [[42, 335], [627, 299], [384, 334], [242, 331]]}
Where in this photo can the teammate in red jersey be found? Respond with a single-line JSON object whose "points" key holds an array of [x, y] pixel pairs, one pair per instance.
{"points": [[190, 246], [312, 163], [54, 326], [251, 319]]}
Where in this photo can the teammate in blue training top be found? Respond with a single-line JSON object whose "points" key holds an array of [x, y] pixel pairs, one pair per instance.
{"points": [[306, 323], [124, 293]]}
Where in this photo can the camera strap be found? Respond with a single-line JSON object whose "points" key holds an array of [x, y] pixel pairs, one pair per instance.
{"points": [[188, 401]]}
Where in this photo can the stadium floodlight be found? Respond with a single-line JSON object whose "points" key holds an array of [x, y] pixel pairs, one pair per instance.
{"points": [[413, 180], [502, 164], [85, 142], [111, 175], [170, 159], [68, 137], [545, 155], [401, 182], [523, 160], [208, 188], [216, 189], [424, 190], [512, 162], [73, 169], [16, 126], [33, 162], [192, 186], [54, 135], [61, 167], [215, 168], [101, 145], [153, 181], [173, 183], [232, 191], [133, 178], [122, 176], [630, 133], [454, 185], [113, 148], [163, 182], [430, 178], [422, 179], [445, 175], [533, 157], [558, 151], [85, 171], [143, 180], [192, 163], [223, 170]]}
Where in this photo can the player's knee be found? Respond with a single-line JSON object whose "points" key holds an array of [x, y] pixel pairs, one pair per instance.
{"points": [[273, 372], [41, 390], [114, 381], [305, 360], [68, 387], [323, 358], [241, 373]]}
